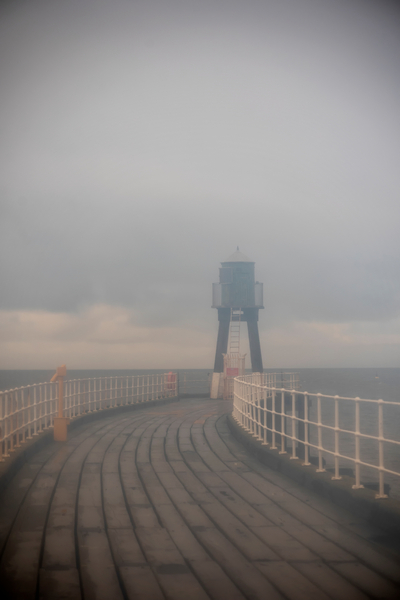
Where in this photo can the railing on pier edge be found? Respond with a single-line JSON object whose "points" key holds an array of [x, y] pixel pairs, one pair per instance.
{"points": [[27, 411], [266, 409]]}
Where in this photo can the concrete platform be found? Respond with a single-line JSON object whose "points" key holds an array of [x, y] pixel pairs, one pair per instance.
{"points": [[164, 503]]}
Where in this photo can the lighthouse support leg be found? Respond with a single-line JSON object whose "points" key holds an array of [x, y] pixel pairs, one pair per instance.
{"points": [[254, 342], [224, 317]]}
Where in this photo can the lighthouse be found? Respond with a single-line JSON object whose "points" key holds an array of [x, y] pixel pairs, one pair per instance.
{"points": [[237, 297]]}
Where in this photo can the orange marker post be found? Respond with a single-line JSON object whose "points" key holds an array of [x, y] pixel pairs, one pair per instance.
{"points": [[60, 422]]}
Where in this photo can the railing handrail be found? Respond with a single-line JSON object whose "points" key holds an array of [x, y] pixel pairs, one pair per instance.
{"points": [[82, 379], [290, 390]]}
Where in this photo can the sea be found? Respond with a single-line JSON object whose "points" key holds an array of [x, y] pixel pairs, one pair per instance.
{"points": [[367, 383]]}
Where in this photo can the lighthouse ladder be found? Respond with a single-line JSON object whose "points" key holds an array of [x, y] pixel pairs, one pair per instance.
{"points": [[234, 332]]}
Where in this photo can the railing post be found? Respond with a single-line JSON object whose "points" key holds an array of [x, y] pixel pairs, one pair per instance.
{"points": [[259, 435], [306, 462], [320, 447], [60, 422], [294, 456], [273, 447], [381, 493], [247, 397], [2, 430], [9, 424], [41, 402], [35, 423], [265, 442], [300, 400], [337, 476], [253, 409], [79, 398], [283, 440], [16, 421], [29, 437], [357, 485]]}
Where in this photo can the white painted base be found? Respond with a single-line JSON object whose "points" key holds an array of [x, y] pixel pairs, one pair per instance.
{"points": [[215, 385]]}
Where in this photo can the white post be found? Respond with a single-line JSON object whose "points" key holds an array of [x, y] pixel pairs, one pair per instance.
{"points": [[44, 405], [357, 485], [100, 390], [260, 436], [293, 457], [320, 448], [306, 447], [265, 394], [35, 431], [2, 430], [337, 472], [273, 447], [282, 450], [381, 493], [80, 397]]}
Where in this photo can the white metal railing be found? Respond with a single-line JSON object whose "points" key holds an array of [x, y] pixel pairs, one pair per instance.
{"points": [[28, 411], [342, 430]]}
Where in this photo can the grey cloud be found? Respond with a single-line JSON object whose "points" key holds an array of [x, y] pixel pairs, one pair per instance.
{"points": [[143, 141]]}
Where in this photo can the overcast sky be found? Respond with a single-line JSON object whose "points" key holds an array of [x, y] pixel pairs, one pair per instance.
{"points": [[142, 141]]}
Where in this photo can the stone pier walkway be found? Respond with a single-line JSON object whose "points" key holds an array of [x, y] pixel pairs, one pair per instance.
{"points": [[163, 503]]}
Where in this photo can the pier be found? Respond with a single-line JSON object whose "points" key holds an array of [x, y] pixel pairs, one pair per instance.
{"points": [[160, 501]]}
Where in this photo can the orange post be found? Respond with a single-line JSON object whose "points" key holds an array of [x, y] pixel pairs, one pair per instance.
{"points": [[60, 422]]}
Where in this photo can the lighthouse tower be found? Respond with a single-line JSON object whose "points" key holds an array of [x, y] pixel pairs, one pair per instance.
{"points": [[237, 297]]}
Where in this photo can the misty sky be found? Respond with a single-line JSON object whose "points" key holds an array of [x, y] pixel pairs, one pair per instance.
{"points": [[142, 141]]}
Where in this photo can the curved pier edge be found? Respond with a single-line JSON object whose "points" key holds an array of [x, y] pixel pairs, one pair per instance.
{"points": [[383, 513], [21, 455]]}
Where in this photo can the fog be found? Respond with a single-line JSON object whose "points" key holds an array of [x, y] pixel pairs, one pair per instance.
{"points": [[141, 142]]}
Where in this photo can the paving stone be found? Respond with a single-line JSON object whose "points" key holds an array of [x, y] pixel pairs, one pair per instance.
{"points": [[171, 570], [217, 584], [171, 506], [99, 577], [245, 576], [284, 545], [20, 564], [113, 502], [59, 549], [367, 580], [369, 554], [290, 582], [13, 496], [328, 580], [140, 583], [61, 584], [125, 548]]}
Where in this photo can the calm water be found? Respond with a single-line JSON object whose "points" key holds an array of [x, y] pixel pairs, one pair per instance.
{"points": [[365, 383]]}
